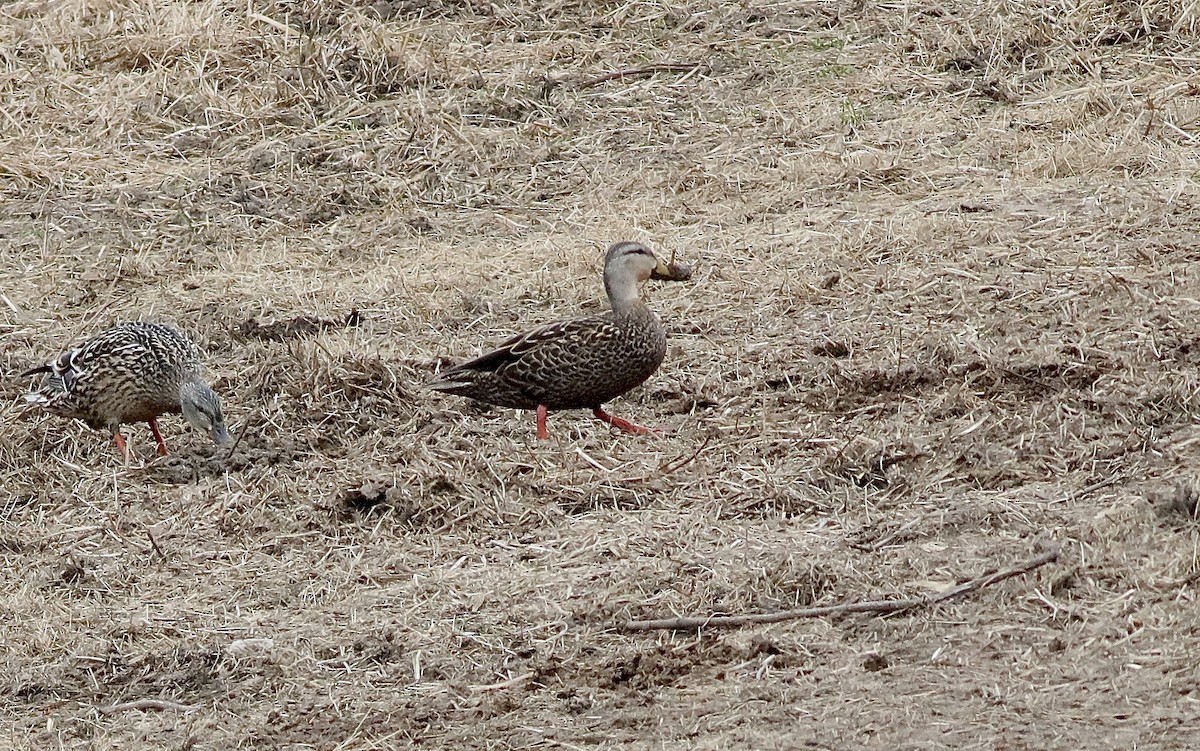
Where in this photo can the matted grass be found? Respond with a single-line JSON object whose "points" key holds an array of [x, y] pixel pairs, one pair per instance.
{"points": [[945, 306]]}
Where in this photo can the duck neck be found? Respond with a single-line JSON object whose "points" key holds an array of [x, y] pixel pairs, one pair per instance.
{"points": [[622, 289], [192, 389]]}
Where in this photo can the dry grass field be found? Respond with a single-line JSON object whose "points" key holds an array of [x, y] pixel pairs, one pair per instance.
{"points": [[946, 310]]}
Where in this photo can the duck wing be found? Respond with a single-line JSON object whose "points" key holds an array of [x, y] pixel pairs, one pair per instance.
{"points": [[527, 364]]}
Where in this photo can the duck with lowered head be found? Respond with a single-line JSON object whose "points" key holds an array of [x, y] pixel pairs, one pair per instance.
{"points": [[133, 372]]}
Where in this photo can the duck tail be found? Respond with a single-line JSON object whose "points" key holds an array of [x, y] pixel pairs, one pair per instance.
{"points": [[451, 382], [37, 399]]}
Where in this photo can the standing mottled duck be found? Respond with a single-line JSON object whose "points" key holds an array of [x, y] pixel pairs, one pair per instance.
{"points": [[132, 372], [581, 363]]}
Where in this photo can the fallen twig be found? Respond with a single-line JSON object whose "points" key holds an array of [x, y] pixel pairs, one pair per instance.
{"points": [[154, 543], [144, 704], [642, 72], [668, 467], [510, 683], [1048, 555]]}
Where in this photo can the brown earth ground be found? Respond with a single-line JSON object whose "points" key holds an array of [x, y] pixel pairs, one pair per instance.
{"points": [[946, 307]]}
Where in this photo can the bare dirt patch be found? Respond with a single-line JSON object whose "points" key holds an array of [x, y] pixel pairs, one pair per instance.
{"points": [[943, 307]]}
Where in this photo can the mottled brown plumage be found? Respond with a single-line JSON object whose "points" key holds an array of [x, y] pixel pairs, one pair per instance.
{"points": [[580, 363], [132, 372]]}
